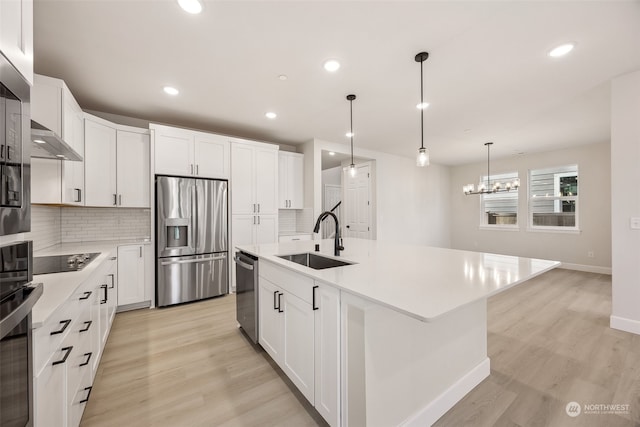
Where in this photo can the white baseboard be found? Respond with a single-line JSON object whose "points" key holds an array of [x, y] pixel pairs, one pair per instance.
{"points": [[441, 404], [624, 324], [587, 268]]}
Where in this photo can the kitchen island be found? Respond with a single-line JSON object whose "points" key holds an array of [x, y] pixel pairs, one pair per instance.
{"points": [[396, 338]]}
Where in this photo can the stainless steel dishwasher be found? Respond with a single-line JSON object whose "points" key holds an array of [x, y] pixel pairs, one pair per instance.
{"points": [[247, 293]]}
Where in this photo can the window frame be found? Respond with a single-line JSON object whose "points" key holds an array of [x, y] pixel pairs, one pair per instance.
{"points": [[483, 223], [556, 199]]}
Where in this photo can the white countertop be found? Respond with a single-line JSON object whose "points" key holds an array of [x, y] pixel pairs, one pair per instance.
{"points": [[58, 287], [420, 281]]}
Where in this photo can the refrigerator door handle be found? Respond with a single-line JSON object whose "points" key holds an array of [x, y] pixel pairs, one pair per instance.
{"points": [[192, 261]]}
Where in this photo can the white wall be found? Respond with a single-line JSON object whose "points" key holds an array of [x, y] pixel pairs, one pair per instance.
{"points": [[625, 197], [594, 210], [412, 203], [332, 176]]}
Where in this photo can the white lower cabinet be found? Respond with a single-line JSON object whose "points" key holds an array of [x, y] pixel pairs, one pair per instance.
{"points": [[68, 347], [299, 324], [131, 275]]}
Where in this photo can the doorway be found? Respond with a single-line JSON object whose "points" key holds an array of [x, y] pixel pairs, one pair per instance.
{"points": [[357, 198]]}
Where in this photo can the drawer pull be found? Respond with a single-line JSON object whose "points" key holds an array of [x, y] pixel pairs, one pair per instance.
{"points": [[87, 294], [106, 297], [88, 323], [86, 362], [86, 399], [67, 351], [65, 324]]}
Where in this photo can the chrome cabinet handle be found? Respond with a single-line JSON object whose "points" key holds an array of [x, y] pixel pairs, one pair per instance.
{"points": [[88, 323], [67, 351], [258, 220], [254, 220], [243, 264], [79, 194], [87, 294], [275, 298], [254, 208], [65, 324], [258, 207], [140, 252], [88, 394], [120, 199]]}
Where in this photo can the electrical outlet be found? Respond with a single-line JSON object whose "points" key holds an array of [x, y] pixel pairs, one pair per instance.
{"points": [[590, 254], [635, 223]]}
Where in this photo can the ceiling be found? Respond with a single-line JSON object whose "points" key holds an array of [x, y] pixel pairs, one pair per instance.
{"points": [[488, 76]]}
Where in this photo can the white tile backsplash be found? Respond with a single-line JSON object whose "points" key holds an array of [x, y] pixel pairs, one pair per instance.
{"points": [[45, 227], [51, 225], [286, 221], [295, 221]]}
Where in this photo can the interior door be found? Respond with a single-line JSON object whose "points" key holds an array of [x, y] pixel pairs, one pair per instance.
{"points": [[357, 203]]}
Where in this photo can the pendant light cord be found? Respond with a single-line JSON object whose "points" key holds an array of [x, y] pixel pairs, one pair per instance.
{"points": [[421, 108], [351, 116]]}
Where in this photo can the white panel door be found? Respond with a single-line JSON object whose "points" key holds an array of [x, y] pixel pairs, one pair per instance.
{"points": [[270, 319], [327, 353], [283, 182], [16, 35], [243, 179], [298, 344], [174, 152], [100, 164], [50, 400], [357, 203], [243, 229], [133, 169], [296, 182], [131, 277], [211, 156], [73, 175], [45, 181], [266, 229], [266, 166]]}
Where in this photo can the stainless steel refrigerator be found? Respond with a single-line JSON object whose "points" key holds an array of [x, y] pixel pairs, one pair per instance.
{"points": [[191, 239]]}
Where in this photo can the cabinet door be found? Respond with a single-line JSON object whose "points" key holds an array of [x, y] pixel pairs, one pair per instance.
{"points": [[132, 169], [50, 399], [45, 181], [16, 35], [243, 229], [296, 182], [283, 196], [112, 292], [243, 179], [211, 156], [100, 163], [266, 183], [174, 152], [266, 229], [131, 277], [327, 353], [298, 354], [103, 298], [270, 324], [97, 311], [72, 173]]}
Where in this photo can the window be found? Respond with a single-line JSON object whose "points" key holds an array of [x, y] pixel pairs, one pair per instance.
{"points": [[553, 202], [500, 209]]}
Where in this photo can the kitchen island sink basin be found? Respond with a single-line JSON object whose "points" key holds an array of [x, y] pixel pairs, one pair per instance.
{"points": [[317, 262]]}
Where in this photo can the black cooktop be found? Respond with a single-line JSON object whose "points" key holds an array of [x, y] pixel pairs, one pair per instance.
{"points": [[62, 263]]}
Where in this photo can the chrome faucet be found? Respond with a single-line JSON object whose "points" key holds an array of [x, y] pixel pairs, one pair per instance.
{"points": [[337, 245]]}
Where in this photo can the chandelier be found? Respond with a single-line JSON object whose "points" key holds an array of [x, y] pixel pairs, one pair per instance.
{"points": [[486, 187]]}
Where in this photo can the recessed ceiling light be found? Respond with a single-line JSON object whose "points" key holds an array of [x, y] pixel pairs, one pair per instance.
{"points": [[39, 141], [169, 90], [282, 77], [561, 50], [422, 105], [60, 155], [349, 134], [270, 115], [331, 65], [331, 153], [191, 6]]}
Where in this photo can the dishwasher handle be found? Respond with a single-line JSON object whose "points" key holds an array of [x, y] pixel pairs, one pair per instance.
{"points": [[243, 264]]}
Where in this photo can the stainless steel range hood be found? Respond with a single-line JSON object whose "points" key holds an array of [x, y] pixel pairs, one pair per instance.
{"points": [[45, 144]]}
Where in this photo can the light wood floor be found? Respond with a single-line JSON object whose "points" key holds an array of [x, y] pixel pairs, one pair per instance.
{"points": [[549, 344]]}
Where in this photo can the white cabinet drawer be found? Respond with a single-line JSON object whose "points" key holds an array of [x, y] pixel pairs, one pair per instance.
{"points": [[294, 283], [47, 339]]}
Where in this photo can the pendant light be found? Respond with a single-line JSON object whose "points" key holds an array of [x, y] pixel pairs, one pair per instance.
{"points": [[352, 166], [423, 153], [487, 188]]}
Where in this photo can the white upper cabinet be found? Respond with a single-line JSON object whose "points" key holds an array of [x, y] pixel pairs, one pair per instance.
{"points": [[16, 35], [254, 178], [186, 152], [290, 180], [117, 164], [53, 106]]}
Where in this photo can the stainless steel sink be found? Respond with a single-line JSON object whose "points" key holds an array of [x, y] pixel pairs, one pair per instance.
{"points": [[317, 262]]}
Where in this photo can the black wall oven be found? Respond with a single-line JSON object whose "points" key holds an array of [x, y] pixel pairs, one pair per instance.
{"points": [[15, 161], [17, 298]]}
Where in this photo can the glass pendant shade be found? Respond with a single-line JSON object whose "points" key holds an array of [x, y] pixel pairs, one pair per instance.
{"points": [[352, 170], [423, 157]]}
